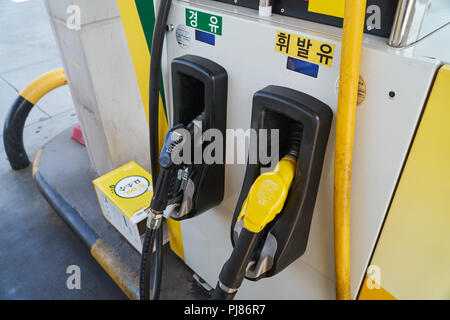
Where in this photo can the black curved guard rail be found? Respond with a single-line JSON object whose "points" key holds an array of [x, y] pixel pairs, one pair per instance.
{"points": [[18, 113], [13, 133]]}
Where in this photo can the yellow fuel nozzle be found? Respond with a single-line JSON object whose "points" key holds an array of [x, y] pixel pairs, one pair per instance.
{"points": [[267, 196]]}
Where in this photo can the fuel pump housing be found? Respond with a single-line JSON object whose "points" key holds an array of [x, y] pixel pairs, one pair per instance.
{"points": [[275, 107], [200, 87]]}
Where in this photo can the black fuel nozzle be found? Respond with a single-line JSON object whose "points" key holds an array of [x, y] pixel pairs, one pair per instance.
{"points": [[161, 190], [233, 271], [263, 203]]}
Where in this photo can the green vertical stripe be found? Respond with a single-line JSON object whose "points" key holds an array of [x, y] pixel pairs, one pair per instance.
{"points": [[146, 13]]}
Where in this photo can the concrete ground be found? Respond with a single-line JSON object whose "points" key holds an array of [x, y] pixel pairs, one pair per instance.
{"points": [[36, 247]]}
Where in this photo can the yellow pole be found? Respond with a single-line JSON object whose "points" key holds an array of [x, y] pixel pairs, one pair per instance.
{"points": [[354, 18]]}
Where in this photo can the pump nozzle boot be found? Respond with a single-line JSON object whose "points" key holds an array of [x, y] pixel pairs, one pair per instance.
{"points": [[264, 201]]}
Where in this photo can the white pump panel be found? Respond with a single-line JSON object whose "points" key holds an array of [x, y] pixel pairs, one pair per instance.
{"points": [[384, 129]]}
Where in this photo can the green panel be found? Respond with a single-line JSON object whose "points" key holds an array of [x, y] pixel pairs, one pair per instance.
{"points": [[204, 21]]}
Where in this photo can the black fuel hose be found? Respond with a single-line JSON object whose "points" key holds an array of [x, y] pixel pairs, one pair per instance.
{"points": [[154, 236], [155, 76], [233, 271]]}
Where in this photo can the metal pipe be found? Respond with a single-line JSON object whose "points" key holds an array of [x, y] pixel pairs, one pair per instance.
{"points": [[18, 113], [354, 18], [265, 8], [265, 3], [408, 22]]}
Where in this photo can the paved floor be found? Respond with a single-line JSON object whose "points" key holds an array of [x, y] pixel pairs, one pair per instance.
{"points": [[36, 247]]}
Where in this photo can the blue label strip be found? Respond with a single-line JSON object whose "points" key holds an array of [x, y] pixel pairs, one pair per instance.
{"points": [[304, 67], [205, 37]]}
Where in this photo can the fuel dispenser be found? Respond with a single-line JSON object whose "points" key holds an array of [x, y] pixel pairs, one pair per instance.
{"points": [[199, 102], [296, 68], [273, 215], [186, 189], [272, 218]]}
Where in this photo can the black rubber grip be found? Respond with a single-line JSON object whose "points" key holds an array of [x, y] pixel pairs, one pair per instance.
{"points": [[233, 271]]}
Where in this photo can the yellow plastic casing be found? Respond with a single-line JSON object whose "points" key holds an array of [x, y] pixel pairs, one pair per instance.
{"points": [[267, 196]]}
